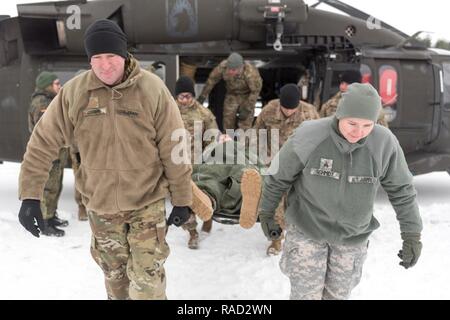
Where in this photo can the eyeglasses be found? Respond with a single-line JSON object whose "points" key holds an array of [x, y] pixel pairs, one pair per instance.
{"points": [[186, 96]]}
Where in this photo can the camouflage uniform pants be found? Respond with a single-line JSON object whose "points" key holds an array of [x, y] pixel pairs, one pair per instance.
{"points": [[78, 198], [231, 106], [75, 167], [131, 249], [191, 224], [318, 270], [53, 186], [279, 212]]}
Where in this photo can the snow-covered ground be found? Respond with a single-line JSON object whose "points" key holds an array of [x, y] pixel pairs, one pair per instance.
{"points": [[231, 262]]}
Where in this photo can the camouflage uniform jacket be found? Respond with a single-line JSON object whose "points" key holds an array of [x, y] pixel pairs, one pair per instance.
{"points": [[249, 82], [194, 115], [332, 183], [329, 109], [39, 103], [271, 117], [123, 135]]}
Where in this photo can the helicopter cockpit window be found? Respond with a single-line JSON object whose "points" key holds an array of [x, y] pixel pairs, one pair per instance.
{"points": [[446, 69], [366, 74], [156, 67], [388, 90]]}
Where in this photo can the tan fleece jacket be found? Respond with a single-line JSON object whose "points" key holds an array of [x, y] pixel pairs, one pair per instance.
{"points": [[123, 135]]}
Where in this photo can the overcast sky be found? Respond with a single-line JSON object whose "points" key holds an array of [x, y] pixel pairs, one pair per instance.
{"points": [[408, 16]]}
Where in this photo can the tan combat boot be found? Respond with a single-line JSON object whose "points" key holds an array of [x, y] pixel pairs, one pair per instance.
{"points": [[201, 203], [251, 192], [193, 239], [82, 215], [275, 248], [207, 226]]}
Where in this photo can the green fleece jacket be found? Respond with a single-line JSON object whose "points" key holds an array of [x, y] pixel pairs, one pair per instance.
{"points": [[332, 183]]}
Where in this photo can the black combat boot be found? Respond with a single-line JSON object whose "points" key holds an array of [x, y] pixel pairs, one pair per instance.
{"points": [[58, 222], [51, 231]]}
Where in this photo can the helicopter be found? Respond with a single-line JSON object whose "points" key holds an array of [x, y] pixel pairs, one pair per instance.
{"points": [[286, 40]]}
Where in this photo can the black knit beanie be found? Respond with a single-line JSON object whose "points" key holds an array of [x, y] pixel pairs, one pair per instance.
{"points": [[184, 84], [105, 36], [289, 96], [351, 76]]}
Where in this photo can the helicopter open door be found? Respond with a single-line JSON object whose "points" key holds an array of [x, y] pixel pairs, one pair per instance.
{"points": [[332, 78], [167, 68], [11, 113], [409, 99]]}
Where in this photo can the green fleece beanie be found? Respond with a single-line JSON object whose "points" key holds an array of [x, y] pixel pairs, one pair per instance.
{"points": [[235, 61], [44, 79], [361, 100]]}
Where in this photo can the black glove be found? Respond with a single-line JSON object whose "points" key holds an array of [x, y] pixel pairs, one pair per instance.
{"points": [[271, 229], [30, 214], [411, 249], [201, 99], [179, 216]]}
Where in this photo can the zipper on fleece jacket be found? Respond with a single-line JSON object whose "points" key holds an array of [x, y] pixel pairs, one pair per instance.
{"points": [[342, 186], [116, 138]]}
